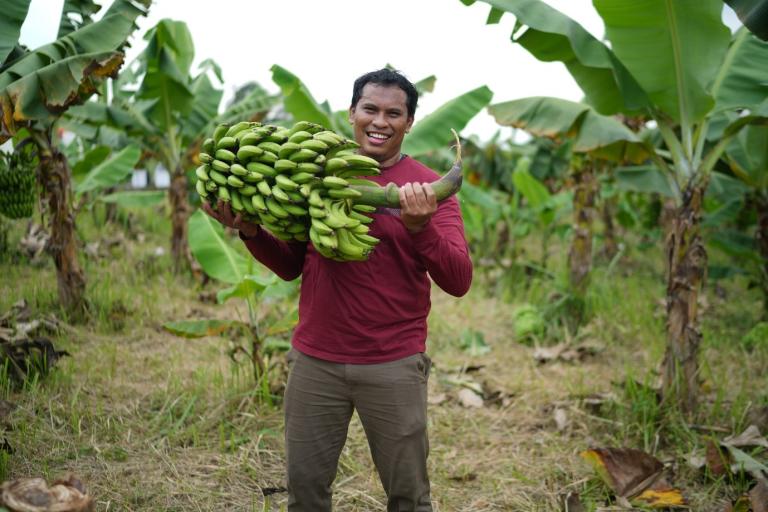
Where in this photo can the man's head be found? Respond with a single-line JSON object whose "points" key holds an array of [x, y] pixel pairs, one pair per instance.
{"points": [[381, 112]]}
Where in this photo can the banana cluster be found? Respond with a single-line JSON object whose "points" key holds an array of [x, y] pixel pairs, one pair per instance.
{"points": [[17, 185], [294, 181]]}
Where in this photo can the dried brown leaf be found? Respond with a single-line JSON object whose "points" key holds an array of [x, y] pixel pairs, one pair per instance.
{"points": [[758, 496], [468, 398], [626, 471], [750, 437]]}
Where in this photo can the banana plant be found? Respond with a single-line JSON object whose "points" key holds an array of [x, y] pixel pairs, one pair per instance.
{"points": [[594, 140], [747, 157], [428, 134], [248, 281], [697, 69], [160, 105], [36, 87]]}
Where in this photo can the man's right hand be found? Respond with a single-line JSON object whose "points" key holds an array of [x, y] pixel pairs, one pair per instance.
{"points": [[223, 213]]}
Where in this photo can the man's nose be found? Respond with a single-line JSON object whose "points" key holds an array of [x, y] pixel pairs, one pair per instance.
{"points": [[380, 120]]}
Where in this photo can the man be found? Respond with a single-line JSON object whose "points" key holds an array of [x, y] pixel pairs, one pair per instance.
{"points": [[360, 341]]}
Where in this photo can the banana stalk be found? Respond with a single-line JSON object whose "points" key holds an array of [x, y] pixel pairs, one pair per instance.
{"points": [[389, 195]]}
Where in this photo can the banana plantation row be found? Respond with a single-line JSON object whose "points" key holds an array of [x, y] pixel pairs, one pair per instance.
{"points": [[675, 143]]}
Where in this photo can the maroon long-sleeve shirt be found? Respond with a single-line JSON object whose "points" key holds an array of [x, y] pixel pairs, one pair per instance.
{"points": [[374, 311]]}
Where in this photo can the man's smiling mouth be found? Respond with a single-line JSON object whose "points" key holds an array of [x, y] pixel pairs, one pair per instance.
{"points": [[377, 135]]}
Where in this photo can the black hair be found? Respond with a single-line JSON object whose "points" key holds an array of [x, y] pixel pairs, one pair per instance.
{"points": [[387, 77]]}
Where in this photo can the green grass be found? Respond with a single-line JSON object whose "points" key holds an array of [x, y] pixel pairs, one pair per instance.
{"points": [[151, 421]]}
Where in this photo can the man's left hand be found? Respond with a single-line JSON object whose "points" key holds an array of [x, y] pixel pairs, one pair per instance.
{"points": [[417, 205]]}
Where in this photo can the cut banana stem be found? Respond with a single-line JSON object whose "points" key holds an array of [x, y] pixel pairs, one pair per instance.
{"points": [[389, 195]]}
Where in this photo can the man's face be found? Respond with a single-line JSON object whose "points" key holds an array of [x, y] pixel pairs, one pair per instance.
{"points": [[380, 120]]}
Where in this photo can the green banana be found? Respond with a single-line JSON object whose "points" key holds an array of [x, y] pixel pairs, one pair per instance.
{"points": [[285, 182], [202, 173], [264, 188]]}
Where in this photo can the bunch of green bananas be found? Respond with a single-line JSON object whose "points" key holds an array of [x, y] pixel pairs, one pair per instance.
{"points": [[17, 185], [297, 182]]}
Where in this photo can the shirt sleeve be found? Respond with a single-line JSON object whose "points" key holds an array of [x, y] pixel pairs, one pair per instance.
{"points": [[286, 259], [444, 251]]}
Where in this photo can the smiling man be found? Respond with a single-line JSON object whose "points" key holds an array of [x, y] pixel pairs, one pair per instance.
{"points": [[360, 344], [361, 340]]}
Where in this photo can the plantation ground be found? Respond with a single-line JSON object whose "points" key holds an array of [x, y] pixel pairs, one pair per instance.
{"points": [[150, 421]]}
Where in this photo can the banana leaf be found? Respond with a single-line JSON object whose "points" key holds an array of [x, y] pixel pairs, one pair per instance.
{"points": [[747, 156], [247, 287], [298, 100], [91, 159], [204, 107], [202, 328], [110, 172], [425, 85], [647, 179], [601, 136], [432, 132], [550, 36], [214, 253], [673, 48], [41, 84], [76, 14], [135, 198], [14, 14], [743, 78], [167, 60], [284, 324]]}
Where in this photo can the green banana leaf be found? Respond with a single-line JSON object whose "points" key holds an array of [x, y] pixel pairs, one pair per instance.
{"points": [[555, 118], [248, 286], [204, 107], [128, 117], [14, 14], [672, 47], [743, 78], [747, 156], [91, 159], [433, 131], [552, 36], [76, 14], [298, 100], [167, 60], [214, 253], [285, 324], [109, 34], [41, 84], [425, 85], [253, 105], [753, 14], [110, 172], [202, 328], [135, 198], [647, 179], [42, 94]]}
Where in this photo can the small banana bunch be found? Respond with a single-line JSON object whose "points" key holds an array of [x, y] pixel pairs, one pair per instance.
{"points": [[17, 185], [297, 182]]}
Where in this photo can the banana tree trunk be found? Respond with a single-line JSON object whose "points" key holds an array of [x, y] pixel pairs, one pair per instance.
{"points": [[580, 254], [57, 187], [761, 205], [686, 264], [610, 246], [180, 211]]}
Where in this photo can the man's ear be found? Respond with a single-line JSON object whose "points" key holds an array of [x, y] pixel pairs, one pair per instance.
{"points": [[409, 125], [350, 114]]}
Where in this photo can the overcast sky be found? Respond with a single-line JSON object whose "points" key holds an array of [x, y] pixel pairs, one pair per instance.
{"points": [[330, 43]]}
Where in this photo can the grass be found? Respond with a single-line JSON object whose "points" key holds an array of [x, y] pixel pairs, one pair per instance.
{"points": [[150, 421]]}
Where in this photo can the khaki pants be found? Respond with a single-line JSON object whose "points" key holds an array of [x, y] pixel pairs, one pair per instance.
{"points": [[391, 400]]}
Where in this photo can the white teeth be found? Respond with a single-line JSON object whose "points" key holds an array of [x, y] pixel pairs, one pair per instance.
{"points": [[378, 135]]}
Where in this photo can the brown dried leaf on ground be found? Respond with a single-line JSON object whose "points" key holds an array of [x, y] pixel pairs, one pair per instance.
{"points": [[565, 351], [750, 437], [758, 496], [634, 476], [718, 460], [34, 495]]}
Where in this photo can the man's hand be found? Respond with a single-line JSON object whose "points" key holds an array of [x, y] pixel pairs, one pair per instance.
{"points": [[417, 205], [223, 213]]}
